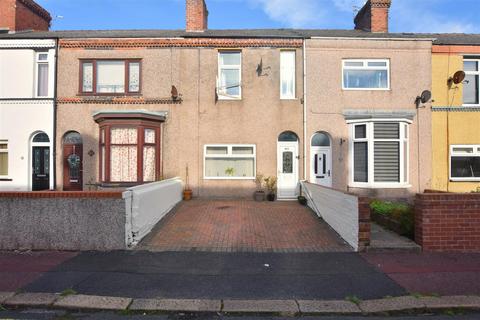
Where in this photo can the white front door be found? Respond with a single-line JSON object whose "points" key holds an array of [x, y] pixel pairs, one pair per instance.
{"points": [[321, 168], [287, 167]]}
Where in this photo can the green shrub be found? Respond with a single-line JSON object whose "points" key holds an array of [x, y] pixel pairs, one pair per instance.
{"points": [[400, 212]]}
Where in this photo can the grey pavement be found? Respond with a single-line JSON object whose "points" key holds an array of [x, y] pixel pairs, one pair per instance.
{"points": [[62, 315], [203, 275]]}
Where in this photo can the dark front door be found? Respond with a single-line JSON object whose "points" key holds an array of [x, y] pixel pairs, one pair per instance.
{"points": [[41, 168], [73, 167]]}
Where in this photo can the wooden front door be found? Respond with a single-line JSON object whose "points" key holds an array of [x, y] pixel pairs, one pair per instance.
{"points": [[40, 168], [73, 167]]}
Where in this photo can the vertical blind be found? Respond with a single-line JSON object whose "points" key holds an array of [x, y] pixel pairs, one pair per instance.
{"points": [[387, 153], [287, 74]]}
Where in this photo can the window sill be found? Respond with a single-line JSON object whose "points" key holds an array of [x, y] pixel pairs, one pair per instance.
{"points": [[134, 94], [464, 179], [227, 99], [471, 105], [365, 89], [119, 184], [229, 178], [380, 186]]}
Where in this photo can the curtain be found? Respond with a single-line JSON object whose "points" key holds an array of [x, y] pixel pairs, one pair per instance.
{"points": [[123, 158], [110, 76], [149, 163], [42, 80], [287, 70], [3, 164]]}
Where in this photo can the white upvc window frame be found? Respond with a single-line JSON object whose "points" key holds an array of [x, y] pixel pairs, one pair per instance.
{"points": [[404, 139], [293, 96], [477, 73], [365, 67], [39, 62], [220, 95], [8, 159], [232, 156], [475, 153]]}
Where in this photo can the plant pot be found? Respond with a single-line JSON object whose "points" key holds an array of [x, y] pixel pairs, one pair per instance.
{"points": [[187, 195], [271, 197], [259, 195], [302, 200]]}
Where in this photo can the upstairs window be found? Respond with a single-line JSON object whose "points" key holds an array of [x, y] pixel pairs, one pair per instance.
{"points": [[110, 77], [42, 74], [366, 74], [287, 74], [471, 87], [229, 83], [465, 163], [380, 154], [3, 158]]}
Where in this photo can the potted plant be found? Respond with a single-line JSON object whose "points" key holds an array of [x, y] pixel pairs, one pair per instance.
{"points": [[260, 193], [271, 185], [301, 198], [187, 192]]}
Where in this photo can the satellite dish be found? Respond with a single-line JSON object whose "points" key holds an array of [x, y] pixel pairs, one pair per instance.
{"points": [[426, 96], [458, 77]]}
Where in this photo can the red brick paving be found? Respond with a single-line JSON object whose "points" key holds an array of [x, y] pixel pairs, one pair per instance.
{"points": [[247, 226], [19, 269], [431, 273]]}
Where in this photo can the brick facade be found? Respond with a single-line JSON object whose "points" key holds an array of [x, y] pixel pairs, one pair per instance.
{"points": [[197, 15], [373, 16], [18, 15], [447, 222], [364, 223]]}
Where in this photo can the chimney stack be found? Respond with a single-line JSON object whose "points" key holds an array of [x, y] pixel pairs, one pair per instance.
{"points": [[197, 16], [20, 15], [373, 17]]}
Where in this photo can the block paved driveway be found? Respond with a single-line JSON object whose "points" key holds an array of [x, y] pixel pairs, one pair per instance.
{"points": [[243, 226]]}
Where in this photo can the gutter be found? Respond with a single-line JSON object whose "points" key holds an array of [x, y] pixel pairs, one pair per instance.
{"points": [[375, 39]]}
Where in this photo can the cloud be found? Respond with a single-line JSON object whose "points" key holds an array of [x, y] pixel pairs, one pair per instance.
{"points": [[292, 13]]}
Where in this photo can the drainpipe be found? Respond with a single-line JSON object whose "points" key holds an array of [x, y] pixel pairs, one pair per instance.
{"points": [[55, 95], [304, 110]]}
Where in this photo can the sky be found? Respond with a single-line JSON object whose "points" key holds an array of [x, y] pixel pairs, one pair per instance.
{"points": [[405, 15]]}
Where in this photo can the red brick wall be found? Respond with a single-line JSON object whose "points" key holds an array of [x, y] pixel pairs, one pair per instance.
{"points": [[18, 15], [373, 16], [364, 231], [196, 15], [447, 222]]}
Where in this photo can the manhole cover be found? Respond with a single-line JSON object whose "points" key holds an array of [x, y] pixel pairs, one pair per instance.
{"points": [[223, 208]]}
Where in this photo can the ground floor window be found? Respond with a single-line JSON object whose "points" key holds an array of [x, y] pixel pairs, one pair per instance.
{"points": [[3, 158], [129, 153], [230, 161], [465, 162], [379, 154]]}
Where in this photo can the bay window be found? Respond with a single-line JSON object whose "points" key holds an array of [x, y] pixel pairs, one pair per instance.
{"points": [[471, 86], [361, 74], [110, 77], [230, 162], [287, 74], [380, 153], [3, 158], [129, 153], [465, 162], [229, 80]]}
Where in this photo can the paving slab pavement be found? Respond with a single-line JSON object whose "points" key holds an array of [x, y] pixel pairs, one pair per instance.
{"points": [[92, 302], [31, 300], [176, 305], [5, 295], [261, 306], [451, 302], [391, 304], [328, 307]]}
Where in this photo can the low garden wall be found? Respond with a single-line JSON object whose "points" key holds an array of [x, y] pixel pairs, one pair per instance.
{"points": [[147, 204], [448, 222], [347, 214], [62, 221]]}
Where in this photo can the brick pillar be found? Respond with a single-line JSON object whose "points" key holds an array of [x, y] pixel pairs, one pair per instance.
{"points": [[364, 226], [373, 16], [197, 15]]}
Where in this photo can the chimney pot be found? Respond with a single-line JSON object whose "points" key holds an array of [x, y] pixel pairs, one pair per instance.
{"points": [[197, 15], [373, 17]]}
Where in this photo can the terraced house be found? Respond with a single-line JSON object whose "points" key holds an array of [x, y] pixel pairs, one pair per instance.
{"points": [[456, 113], [220, 107], [27, 91]]}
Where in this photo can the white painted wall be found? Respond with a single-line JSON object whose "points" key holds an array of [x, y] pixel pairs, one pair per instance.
{"points": [[147, 204], [338, 209], [21, 114]]}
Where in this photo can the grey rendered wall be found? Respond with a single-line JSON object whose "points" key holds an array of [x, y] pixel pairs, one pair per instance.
{"points": [[62, 223]]}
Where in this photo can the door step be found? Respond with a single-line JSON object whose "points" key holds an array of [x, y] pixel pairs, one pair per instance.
{"points": [[383, 240]]}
